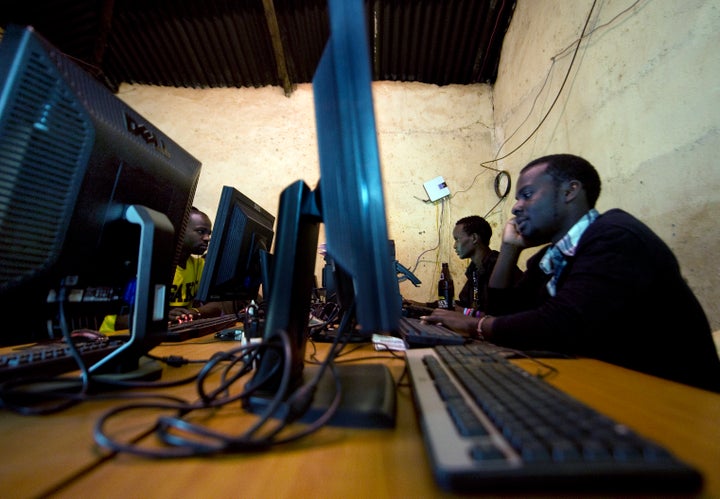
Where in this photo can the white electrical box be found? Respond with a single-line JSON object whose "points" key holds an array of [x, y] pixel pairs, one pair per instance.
{"points": [[436, 188]]}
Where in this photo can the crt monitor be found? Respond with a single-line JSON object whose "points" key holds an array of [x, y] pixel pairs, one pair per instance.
{"points": [[349, 201], [94, 201], [242, 233]]}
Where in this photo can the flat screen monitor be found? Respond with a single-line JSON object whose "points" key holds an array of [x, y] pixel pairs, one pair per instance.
{"points": [[94, 201], [243, 232], [349, 201]]}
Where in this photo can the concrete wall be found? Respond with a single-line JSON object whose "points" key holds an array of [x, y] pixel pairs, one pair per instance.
{"points": [[639, 102]]}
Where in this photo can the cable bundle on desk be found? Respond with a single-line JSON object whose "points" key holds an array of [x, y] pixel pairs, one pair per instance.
{"points": [[182, 438]]}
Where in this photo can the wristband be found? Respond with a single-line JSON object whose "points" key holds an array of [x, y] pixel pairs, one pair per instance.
{"points": [[480, 332]]}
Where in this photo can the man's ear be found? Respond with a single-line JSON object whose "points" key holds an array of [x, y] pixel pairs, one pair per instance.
{"points": [[572, 189]]}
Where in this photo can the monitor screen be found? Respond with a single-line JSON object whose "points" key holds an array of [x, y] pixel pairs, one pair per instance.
{"points": [[94, 199], [243, 231], [349, 200]]}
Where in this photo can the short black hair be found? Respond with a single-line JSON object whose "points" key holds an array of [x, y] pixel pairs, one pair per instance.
{"points": [[475, 224], [564, 167], [194, 210]]}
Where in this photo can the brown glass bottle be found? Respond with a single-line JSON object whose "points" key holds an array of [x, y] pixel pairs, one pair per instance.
{"points": [[446, 289]]}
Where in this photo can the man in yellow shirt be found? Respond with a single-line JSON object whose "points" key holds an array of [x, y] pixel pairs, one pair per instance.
{"points": [[183, 305]]}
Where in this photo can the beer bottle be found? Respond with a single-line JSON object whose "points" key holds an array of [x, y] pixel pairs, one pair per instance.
{"points": [[446, 289]]}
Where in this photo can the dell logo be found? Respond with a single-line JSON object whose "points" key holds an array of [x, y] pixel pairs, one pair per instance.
{"points": [[147, 135]]}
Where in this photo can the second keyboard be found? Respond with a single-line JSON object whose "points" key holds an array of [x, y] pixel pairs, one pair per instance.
{"points": [[421, 334], [489, 424]]}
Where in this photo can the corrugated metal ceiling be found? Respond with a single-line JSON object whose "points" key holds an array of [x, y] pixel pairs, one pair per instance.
{"points": [[254, 43]]}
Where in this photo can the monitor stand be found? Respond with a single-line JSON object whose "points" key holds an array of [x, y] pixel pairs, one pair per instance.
{"points": [[367, 399], [149, 318], [367, 390], [148, 369], [368, 396]]}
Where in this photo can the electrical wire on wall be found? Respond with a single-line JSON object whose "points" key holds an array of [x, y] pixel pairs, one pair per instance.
{"points": [[554, 59], [485, 164], [440, 222]]}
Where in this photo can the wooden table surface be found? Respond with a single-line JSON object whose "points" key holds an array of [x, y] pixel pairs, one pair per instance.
{"points": [[57, 455]]}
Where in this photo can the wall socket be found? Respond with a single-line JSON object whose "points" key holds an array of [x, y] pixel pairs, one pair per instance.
{"points": [[436, 189]]}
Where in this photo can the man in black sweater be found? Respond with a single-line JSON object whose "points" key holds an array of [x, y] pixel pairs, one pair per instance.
{"points": [[604, 286]]}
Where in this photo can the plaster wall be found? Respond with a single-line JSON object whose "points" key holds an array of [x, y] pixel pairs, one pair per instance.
{"points": [[260, 141]]}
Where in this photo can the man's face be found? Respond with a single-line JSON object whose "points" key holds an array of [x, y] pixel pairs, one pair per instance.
{"points": [[464, 243], [197, 234], [538, 206]]}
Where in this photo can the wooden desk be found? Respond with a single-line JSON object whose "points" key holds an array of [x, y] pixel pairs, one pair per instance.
{"points": [[58, 451]]}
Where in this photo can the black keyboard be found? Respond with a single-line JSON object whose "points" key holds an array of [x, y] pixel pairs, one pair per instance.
{"points": [[52, 359], [199, 327], [419, 334], [48, 360], [489, 424]]}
